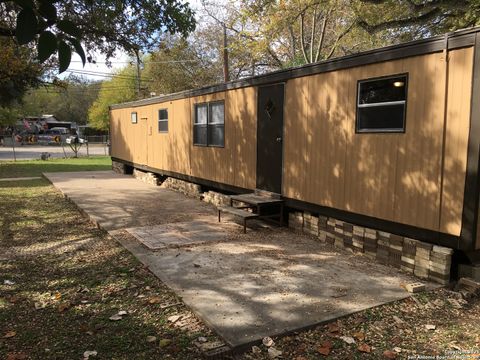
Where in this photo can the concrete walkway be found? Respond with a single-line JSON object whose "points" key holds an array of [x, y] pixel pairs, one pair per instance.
{"points": [[245, 286]]}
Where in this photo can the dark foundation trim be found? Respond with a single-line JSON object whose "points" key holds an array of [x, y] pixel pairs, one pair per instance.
{"points": [[462, 38], [417, 233], [468, 235]]}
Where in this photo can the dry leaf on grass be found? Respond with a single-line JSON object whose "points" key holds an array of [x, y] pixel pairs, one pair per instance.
{"points": [[154, 300], [323, 350], [9, 334], [333, 327], [389, 354], [364, 348], [63, 306], [16, 356], [359, 335]]}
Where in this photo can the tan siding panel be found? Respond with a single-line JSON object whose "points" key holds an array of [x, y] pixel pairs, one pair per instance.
{"points": [[456, 146]]}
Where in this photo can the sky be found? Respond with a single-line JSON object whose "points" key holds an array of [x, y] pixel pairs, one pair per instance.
{"points": [[120, 60]]}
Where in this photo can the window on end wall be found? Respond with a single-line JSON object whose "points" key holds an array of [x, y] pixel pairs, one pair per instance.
{"points": [[133, 117], [163, 120], [209, 124], [381, 104]]}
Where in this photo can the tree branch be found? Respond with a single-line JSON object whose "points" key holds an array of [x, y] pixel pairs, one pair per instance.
{"points": [[302, 41]]}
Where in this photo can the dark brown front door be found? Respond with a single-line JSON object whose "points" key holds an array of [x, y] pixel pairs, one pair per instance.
{"points": [[270, 138]]}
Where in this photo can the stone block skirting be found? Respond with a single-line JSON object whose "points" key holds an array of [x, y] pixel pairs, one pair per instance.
{"points": [[119, 167], [146, 177], [216, 198], [185, 187], [418, 258]]}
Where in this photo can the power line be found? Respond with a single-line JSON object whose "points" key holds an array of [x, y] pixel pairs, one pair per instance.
{"points": [[132, 62]]}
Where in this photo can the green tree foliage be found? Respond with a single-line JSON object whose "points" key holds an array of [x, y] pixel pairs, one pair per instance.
{"points": [[18, 71], [179, 65], [68, 101], [61, 26], [120, 89], [266, 35], [417, 18]]}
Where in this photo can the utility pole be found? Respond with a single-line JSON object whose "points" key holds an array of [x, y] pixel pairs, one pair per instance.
{"points": [[226, 75]]}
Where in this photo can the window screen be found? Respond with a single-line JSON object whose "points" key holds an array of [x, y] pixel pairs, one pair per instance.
{"points": [[381, 104], [133, 117], [216, 124], [200, 125], [163, 120]]}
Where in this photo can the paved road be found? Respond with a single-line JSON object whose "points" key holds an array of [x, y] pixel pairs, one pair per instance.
{"points": [[30, 152]]}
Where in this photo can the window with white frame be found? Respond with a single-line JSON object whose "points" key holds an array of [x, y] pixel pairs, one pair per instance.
{"points": [[209, 124], [381, 104], [133, 117], [163, 120]]}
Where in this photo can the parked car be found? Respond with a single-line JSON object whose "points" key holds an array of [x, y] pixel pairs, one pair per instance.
{"points": [[55, 135]]}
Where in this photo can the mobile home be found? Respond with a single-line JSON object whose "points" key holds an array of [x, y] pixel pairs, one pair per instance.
{"points": [[387, 139]]}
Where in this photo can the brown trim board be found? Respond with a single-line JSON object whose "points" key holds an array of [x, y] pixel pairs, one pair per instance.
{"points": [[417, 233], [468, 234]]}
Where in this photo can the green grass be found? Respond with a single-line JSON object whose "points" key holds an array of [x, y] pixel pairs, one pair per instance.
{"points": [[27, 168], [71, 277]]}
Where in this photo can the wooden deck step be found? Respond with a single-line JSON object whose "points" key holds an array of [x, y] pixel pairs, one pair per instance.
{"points": [[245, 215], [267, 194]]}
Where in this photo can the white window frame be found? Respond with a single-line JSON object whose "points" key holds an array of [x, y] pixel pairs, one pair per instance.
{"points": [[162, 121]]}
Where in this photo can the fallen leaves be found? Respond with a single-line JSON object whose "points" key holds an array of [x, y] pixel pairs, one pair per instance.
{"points": [[154, 300], [9, 334], [164, 343], [333, 327], [389, 354], [151, 339], [360, 336], [16, 356], [268, 341], [325, 348], [64, 306], [364, 348], [118, 316], [348, 339], [87, 354], [430, 327]]}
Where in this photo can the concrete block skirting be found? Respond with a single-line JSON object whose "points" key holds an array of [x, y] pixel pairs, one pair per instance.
{"points": [[185, 187], [146, 177], [118, 167], [421, 259], [216, 198]]}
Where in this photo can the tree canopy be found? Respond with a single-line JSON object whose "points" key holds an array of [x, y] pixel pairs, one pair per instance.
{"points": [[60, 26]]}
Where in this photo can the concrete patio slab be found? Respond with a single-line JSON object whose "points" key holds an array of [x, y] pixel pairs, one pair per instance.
{"points": [[159, 237], [246, 286]]}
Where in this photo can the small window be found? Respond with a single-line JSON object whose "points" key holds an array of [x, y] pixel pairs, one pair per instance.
{"points": [[209, 124], [163, 120], [381, 104], [134, 118]]}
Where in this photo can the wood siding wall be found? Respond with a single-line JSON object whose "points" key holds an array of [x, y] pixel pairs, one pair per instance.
{"points": [[234, 164], [396, 177]]}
